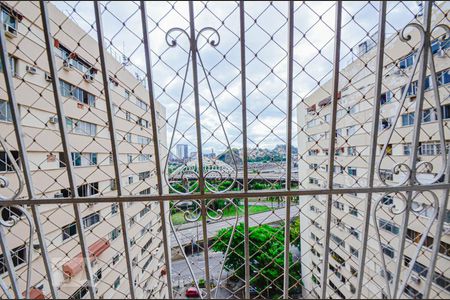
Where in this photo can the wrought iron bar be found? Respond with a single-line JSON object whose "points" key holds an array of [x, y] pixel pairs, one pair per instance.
{"points": [[415, 142], [334, 104], [234, 194], [15, 114], [244, 146], [373, 139], [114, 148], [288, 147], [194, 49], [65, 144], [445, 193], [157, 156]]}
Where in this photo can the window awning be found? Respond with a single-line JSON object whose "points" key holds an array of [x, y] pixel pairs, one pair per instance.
{"points": [[325, 101], [75, 265], [35, 294], [311, 108]]}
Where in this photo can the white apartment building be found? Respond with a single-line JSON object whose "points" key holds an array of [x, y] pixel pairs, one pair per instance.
{"points": [[353, 133], [78, 63]]}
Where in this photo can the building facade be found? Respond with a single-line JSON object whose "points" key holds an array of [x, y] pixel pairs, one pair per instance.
{"points": [[81, 86], [353, 138], [182, 151]]}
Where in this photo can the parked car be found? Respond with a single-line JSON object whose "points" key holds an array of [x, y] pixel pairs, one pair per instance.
{"points": [[192, 292]]}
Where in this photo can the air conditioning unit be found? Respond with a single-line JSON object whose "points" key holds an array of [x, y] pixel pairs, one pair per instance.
{"points": [[59, 195], [67, 64], [10, 31], [31, 69], [48, 77], [88, 77], [53, 120], [415, 279], [397, 71]]}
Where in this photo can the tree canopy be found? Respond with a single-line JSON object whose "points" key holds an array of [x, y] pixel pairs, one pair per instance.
{"points": [[266, 250]]}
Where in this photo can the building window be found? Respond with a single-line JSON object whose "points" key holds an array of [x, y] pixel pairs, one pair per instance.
{"points": [[354, 252], [6, 162], [115, 233], [388, 226], [84, 159], [407, 61], [340, 242], [443, 77], [116, 283], [5, 111], [338, 205], [353, 211], [68, 231], [412, 292], [12, 65], [407, 149], [351, 151], [18, 256], [88, 189], [408, 119], [114, 208], [141, 104], [429, 149], [69, 90], [144, 175], [388, 250], [386, 97], [115, 259], [81, 127], [386, 175], [355, 232], [143, 140], [98, 275], [351, 171], [91, 220], [428, 115], [446, 111]]}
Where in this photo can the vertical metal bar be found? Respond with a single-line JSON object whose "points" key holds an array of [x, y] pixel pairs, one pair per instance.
{"points": [[15, 114], [374, 140], [244, 146], [415, 142], [193, 44], [335, 91], [445, 194], [65, 144], [114, 147], [288, 147], [154, 120]]}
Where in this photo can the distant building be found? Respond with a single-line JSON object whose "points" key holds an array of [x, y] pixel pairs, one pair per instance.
{"points": [[182, 151]]}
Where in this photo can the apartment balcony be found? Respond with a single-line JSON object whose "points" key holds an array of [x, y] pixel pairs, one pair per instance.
{"points": [[224, 150]]}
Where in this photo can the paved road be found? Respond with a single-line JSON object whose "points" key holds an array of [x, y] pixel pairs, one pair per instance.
{"points": [[189, 231], [182, 278]]}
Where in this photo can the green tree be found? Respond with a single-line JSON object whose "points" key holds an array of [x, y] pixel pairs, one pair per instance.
{"points": [[267, 256]]}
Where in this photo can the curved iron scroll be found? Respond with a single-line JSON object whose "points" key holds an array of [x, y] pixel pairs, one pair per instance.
{"points": [[192, 214], [399, 206], [185, 179]]}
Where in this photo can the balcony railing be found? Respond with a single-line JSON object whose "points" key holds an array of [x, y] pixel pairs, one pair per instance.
{"points": [[100, 197]]}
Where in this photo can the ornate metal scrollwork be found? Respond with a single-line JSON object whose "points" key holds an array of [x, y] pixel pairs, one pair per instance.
{"points": [[421, 167], [4, 181], [191, 212], [13, 216], [185, 179], [401, 207]]}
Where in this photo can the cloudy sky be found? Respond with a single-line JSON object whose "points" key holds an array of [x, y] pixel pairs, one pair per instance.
{"points": [[266, 60]]}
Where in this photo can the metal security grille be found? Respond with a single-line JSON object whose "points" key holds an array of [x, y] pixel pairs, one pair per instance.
{"points": [[330, 123]]}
